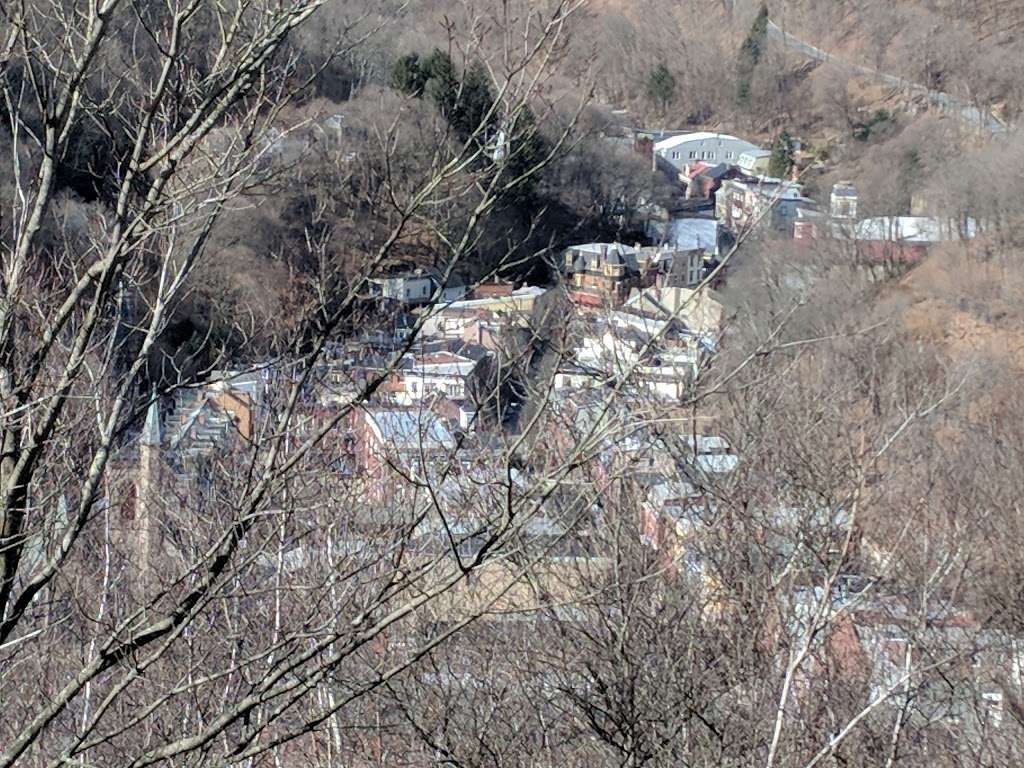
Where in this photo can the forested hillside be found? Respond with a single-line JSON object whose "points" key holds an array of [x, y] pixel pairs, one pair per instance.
{"points": [[511, 383]]}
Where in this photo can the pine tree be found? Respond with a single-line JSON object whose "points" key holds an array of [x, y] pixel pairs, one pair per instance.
{"points": [[408, 76], [781, 162], [750, 54], [475, 101], [526, 147], [441, 86], [753, 44], [661, 86]]}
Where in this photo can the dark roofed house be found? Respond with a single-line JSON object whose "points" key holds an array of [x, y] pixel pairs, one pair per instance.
{"points": [[682, 269], [602, 271]]}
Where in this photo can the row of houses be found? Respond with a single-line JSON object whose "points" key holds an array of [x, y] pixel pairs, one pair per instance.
{"points": [[607, 274], [395, 448], [731, 174]]}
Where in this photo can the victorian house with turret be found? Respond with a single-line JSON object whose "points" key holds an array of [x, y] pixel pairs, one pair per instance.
{"points": [[602, 273]]}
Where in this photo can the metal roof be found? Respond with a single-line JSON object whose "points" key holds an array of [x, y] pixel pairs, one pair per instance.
{"points": [[406, 428], [914, 229], [686, 138]]}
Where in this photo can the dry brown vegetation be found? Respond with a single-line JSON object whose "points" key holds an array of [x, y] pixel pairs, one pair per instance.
{"points": [[834, 581]]}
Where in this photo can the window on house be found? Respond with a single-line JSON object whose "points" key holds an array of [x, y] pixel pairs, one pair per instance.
{"points": [[728, 155], [693, 155]]}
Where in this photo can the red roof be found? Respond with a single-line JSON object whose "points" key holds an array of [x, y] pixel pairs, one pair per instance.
{"points": [[439, 358], [492, 290], [698, 168], [586, 299]]}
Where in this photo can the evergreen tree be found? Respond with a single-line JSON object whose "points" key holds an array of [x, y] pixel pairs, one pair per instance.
{"points": [[475, 101], [441, 86], [781, 162], [753, 44], [750, 54], [661, 86], [408, 76], [525, 148]]}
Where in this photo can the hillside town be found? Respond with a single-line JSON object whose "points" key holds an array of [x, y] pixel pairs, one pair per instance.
{"points": [[612, 352], [492, 384]]}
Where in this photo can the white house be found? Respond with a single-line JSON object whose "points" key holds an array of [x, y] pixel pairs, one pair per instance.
{"points": [[622, 350], [756, 162], [436, 372], [417, 286], [448, 323], [700, 311], [413, 287], [680, 151], [711, 454]]}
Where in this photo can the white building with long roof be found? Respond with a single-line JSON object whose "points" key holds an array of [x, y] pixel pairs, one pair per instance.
{"points": [[687, 148]]}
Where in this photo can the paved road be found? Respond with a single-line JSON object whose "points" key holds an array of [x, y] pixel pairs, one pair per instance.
{"points": [[978, 118]]}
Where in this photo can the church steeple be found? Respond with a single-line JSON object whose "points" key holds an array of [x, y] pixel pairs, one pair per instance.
{"points": [[145, 536], [151, 432]]}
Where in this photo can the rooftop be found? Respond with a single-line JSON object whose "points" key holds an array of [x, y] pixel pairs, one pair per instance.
{"points": [[525, 293], [599, 248], [407, 428], [914, 229], [442, 364], [770, 186], [689, 234], [684, 138], [844, 189]]}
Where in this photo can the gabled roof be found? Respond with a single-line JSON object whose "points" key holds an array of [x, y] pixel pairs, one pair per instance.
{"points": [[844, 189], [718, 171], [205, 426], [253, 381], [596, 248], [526, 293]]}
